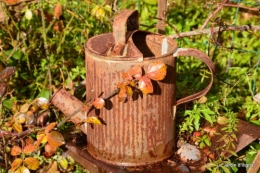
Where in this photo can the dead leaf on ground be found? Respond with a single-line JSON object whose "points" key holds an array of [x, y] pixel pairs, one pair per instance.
{"points": [[189, 152]]}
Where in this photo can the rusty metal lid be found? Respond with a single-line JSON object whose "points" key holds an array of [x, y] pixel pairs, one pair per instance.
{"points": [[127, 43]]}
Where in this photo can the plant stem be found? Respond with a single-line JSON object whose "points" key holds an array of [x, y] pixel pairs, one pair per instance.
{"points": [[215, 30], [44, 33]]}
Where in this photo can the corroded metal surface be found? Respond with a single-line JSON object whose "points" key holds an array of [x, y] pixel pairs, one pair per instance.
{"points": [[140, 131], [69, 104]]}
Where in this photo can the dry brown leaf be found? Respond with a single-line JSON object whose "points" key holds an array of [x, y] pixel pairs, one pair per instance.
{"points": [[55, 139], [31, 163], [51, 168], [16, 163]]}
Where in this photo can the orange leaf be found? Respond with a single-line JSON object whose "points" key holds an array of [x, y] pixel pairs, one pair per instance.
{"points": [[145, 85], [99, 103], [29, 141], [156, 70], [16, 150], [18, 127], [57, 11], [55, 139], [11, 2], [126, 76], [16, 163], [31, 163], [50, 127], [122, 94], [49, 149], [41, 138], [93, 120], [123, 84], [28, 149], [136, 72], [132, 83], [129, 91]]}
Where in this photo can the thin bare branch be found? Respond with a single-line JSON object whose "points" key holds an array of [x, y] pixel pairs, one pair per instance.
{"points": [[213, 14], [215, 30], [241, 6]]}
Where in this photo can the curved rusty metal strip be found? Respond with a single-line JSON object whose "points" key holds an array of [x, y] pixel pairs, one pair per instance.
{"points": [[125, 18], [205, 58]]}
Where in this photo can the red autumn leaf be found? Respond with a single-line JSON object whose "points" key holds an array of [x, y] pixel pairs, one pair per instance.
{"points": [[156, 70], [145, 85], [99, 103]]}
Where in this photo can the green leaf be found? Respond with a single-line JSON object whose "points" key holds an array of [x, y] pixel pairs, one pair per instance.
{"points": [[225, 169], [8, 103], [208, 118], [232, 152], [208, 165], [202, 145], [197, 121], [44, 93], [207, 141]]}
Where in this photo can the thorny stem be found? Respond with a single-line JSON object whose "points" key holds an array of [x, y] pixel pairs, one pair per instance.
{"points": [[44, 32]]}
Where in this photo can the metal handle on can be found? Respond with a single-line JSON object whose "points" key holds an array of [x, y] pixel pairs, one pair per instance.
{"points": [[127, 20], [205, 58]]}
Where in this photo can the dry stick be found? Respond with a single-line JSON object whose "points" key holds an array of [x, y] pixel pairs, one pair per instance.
{"points": [[21, 134], [215, 30], [213, 14], [44, 32], [241, 6]]}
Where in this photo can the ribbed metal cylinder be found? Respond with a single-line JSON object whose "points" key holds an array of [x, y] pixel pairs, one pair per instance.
{"points": [[140, 130]]}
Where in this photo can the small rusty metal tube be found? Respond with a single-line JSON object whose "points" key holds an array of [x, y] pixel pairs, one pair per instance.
{"points": [[68, 104]]}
